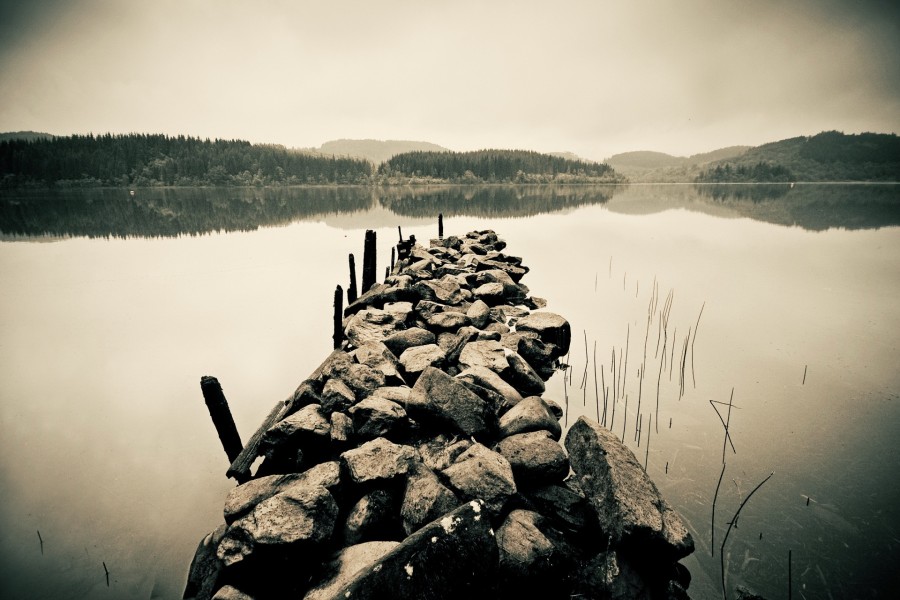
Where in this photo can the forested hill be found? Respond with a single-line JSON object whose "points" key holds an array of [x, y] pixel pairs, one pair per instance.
{"points": [[147, 160], [375, 151], [492, 166], [828, 156]]}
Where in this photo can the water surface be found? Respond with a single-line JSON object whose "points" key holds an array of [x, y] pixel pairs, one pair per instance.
{"points": [[112, 308]]}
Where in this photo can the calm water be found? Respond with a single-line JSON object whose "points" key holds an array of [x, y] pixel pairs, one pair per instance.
{"points": [[111, 310]]}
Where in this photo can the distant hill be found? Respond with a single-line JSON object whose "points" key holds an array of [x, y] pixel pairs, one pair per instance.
{"points": [[647, 166], [570, 156], [827, 156], [24, 135], [375, 151]]}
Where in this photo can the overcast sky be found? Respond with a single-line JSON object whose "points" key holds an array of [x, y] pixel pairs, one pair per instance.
{"points": [[595, 77]]}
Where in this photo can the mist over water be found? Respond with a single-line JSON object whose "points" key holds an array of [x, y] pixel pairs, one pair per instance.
{"points": [[107, 325]]}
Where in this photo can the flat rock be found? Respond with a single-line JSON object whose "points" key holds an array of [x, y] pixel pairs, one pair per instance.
{"points": [[448, 320], [487, 354], [535, 457], [378, 460], [482, 473], [417, 359], [627, 504], [453, 557], [440, 451], [309, 424], [337, 395], [439, 398], [400, 341], [445, 290], [371, 325], [376, 355], [490, 293], [531, 414]]}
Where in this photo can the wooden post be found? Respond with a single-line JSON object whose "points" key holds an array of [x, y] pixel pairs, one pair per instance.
{"points": [[221, 416], [338, 335], [393, 252], [400, 231], [441, 225], [369, 262], [351, 291]]}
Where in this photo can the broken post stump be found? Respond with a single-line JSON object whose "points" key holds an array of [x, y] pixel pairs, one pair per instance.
{"points": [[440, 225], [352, 293], [368, 275], [338, 335], [221, 416]]}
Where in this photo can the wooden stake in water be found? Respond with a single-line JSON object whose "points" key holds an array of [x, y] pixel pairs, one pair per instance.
{"points": [[369, 261], [221, 416], [440, 225], [712, 529], [338, 335], [804, 374], [352, 292]]}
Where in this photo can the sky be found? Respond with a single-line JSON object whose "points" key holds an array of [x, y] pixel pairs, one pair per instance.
{"points": [[594, 77]]}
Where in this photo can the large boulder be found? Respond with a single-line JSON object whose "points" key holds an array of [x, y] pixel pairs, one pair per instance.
{"points": [[308, 426], [445, 290], [482, 473], [205, 568], [627, 504], [377, 417], [522, 376], [373, 517], [441, 399], [535, 457], [534, 558], [453, 557], [415, 360], [550, 327], [487, 354], [489, 379], [479, 314], [377, 356]]}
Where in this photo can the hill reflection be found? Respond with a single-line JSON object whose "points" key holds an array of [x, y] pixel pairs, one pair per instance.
{"points": [[195, 211]]}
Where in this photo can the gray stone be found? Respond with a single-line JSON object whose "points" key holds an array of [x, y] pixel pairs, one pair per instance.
{"points": [[399, 310], [309, 424], [341, 428], [452, 557], [438, 397], [376, 355], [441, 451], [522, 376], [378, 460], [205, 567], [417, 359], [492, 381], [337, 395], [349, 561], [628, 505], [611, 576], [490, 293], [487, 354], [398, 394], [301, 515], [533, 557], [425, 499], [552, 329], [482, 473], [531, 414], [515, 272], [373, 517], [229, 592], [370, 325], [361, 379], [535, 458], [398, 342], [568, 509], [479, 313], [243, 498], [444, 290], [376, 417], [448, 320]]}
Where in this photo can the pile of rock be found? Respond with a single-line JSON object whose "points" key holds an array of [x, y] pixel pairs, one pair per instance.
{"points": [[421, 460]]}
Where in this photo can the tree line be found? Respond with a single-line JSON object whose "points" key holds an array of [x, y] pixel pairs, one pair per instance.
{"points": [[157, 160], [492, 166]]}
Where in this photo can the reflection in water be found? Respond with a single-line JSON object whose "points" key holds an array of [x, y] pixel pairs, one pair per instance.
{"points": [[191, 211]]}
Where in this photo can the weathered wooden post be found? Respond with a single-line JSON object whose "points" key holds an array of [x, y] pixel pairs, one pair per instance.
{"points": [[441, 226], [393, 252], [400, 231], [368, 276], [338, 335], [221, 416], [351, 291]]}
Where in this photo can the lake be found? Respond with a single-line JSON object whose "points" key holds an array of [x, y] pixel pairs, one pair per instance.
{"points": [[779, 300]]}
